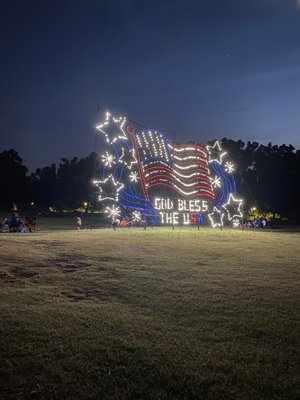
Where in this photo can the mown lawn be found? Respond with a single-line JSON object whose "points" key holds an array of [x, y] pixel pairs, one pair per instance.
{"points": [[156, 314]]}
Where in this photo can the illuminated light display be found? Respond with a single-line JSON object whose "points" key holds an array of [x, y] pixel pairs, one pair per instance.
{"points": [[110, 120], [134, 176], [179, 211], [236, 223], [229, 167], [109, 188], [216, 218], [128, 158], [233, 207], [136, 216], [108, 159], [113, 212], [216, 182], [215, 152], [188, 174], [149, 178]]}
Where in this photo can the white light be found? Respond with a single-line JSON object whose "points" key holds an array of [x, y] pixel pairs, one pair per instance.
{"points": [[102, 183], [123, 160], [109, 120], [113, 211], [184, 192], [186, 176], [219, 215], [229, 167], [134, 176], [108, 159], [216, 182], [187, 166], [216, 148], [136, 216], [236, 223], [187, 185], [189, 158], [182, 149], [236, 205]]}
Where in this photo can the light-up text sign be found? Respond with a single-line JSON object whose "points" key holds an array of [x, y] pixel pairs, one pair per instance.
{"points": [[178, 211]]}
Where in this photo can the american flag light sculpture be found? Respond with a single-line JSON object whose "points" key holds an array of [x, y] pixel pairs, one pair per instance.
{"points": [[147, 176]]}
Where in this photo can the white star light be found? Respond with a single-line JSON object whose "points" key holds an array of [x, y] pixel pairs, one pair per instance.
{"points": [[128, 158], [216, 182], [216, 218], [113, 121], [134, 176], [108, 159], [229, 167], [233, 207], [215, 152], [136, 216], [106, 183], [113, 211]]}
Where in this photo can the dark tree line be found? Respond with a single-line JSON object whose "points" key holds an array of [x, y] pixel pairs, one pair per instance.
{"points": [[268, 177], [64, 186]]}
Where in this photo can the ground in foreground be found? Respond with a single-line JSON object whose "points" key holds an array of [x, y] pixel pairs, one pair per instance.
{"points": [[156, 314]]}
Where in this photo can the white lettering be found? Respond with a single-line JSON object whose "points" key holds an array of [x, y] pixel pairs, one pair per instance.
{"points": [[186, 218], [197, 206], [157, 204], [191, 205], [169, 218], [175, 218], [162, 217], [185, 208], [169, 204], [180, 211], [204, 206], [180, 205]]}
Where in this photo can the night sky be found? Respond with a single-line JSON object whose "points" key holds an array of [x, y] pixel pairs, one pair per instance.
{"points": [[204, 69]]}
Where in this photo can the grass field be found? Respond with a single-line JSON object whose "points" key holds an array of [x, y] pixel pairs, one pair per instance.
{"points": [[156, 314]]}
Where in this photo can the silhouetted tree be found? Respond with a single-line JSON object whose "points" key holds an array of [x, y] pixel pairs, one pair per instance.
{"points": [[15, 185], [45, 185], [66, 186], [268, 176]]}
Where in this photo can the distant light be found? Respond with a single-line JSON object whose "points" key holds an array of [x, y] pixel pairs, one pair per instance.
{"points": [[32, 203]]}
